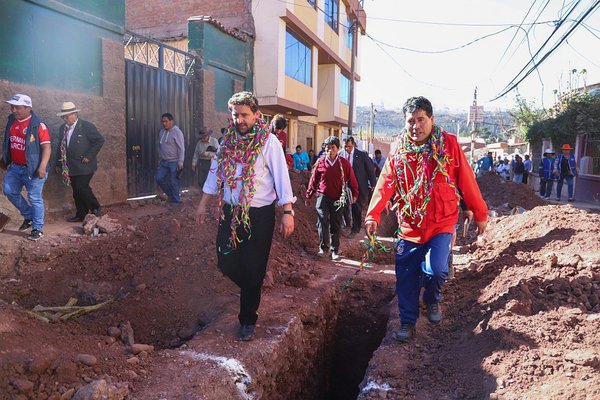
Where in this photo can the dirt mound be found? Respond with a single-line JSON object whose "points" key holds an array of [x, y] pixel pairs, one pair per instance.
{"points": [[520, 318], [503, 195]]}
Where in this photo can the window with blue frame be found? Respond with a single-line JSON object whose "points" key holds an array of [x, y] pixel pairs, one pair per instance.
{"points": [[312, 3], [298, 59], [349, 33], [331, 13], [344, 89]]}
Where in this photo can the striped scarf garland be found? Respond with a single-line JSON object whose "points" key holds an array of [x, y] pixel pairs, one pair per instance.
{"points": [[239, 149], [416, 197], [66, 179]]}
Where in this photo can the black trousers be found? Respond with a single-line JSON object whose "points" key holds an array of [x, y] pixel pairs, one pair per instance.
{"points": [[356, 217], [329, 221], [247, 264], [203, 170], [85, 201]]}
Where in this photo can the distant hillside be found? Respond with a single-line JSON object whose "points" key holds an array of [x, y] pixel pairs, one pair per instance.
{"points": [[389, 121]]}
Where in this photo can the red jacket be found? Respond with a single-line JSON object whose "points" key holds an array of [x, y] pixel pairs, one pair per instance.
{"points": [[441, 213]]}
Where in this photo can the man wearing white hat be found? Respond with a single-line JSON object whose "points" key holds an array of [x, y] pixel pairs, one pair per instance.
{"points": [[25, 155], [546, 172], [79, 144]]}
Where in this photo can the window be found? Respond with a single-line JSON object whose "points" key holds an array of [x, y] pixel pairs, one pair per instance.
{"points": [[331, 13], [312, 3], [298, 59], [349, 33], [344, 89]]}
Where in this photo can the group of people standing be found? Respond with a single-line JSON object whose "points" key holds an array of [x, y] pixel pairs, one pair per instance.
{"points": [[557, 169], [26, 154], [423, 178]]}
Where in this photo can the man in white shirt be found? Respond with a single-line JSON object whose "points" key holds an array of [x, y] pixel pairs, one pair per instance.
{"points": [[248, 175]]}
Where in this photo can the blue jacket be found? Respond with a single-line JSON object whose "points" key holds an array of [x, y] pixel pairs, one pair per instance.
{"points": [[33, 150], [547, 168], [572, 166]]}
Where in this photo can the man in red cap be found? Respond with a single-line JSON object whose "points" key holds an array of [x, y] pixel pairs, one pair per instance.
{"points": [[565, 168]]}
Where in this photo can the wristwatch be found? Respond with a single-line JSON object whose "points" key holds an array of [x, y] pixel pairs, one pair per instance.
{"points": [[289, 212]]}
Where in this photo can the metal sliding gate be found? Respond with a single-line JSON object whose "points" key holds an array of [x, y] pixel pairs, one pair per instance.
{"points": [[159, 79]]}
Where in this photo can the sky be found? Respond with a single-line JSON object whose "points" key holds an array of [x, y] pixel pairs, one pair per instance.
{"points": [[448, 79]]}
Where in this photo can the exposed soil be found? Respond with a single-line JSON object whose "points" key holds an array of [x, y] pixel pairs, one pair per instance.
{"points": [[520, 318]]}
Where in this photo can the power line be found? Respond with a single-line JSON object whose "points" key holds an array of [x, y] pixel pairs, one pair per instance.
{"points": [[556, 46], [439, 51], [532, 59]]}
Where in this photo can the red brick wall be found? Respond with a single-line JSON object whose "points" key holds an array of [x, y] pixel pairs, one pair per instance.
{"points": [[164, 19]]}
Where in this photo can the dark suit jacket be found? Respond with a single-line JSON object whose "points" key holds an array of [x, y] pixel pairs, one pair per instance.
{"points": [[86, 142], [365, 175]]}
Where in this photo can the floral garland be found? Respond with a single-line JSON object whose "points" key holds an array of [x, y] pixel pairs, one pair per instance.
{"points": [[240, 149], [417, 196]]}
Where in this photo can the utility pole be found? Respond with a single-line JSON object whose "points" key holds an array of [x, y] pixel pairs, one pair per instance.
{"points": [[371, 123], [474, 117], [354, 31]]}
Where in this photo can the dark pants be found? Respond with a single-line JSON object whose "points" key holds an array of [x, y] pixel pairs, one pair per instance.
{"points": [[559, 186], [203, 169], [246, 265], [420, 265], [357, 214], [329, 220], [85, 201], [546, 187], [525, 176], [347, 216]]}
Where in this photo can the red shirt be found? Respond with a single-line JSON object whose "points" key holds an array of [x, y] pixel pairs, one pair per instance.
{"points": [[442, 210], [17, 135], [327, 179]]}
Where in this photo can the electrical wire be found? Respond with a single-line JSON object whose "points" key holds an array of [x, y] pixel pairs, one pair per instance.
{"points": [[556, 46]]}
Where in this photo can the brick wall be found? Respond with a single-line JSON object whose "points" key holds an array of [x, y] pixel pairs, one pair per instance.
{"points": [[164, 19]]}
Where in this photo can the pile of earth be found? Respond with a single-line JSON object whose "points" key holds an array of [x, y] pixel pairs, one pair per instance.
{"points": [[520, 318]]}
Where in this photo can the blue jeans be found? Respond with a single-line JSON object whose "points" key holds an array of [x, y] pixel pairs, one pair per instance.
{"points": [[546, 187], [166, 177], [15, 178], [559, 186], [420, 265]]}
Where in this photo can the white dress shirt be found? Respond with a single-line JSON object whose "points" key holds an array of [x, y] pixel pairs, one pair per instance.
{"points": [[271, 179]]}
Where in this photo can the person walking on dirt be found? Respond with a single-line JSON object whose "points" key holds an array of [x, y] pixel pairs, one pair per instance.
{"points": [[205, 150], [424, 174], [248, 175], [329, 179], [546, 172], [171, 153], [565, 168], [25, 155], [364, 172], [76, 159]]}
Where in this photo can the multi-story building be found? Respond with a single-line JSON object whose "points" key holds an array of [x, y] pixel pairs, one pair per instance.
{"points": [[302, 64], [302, 53]]}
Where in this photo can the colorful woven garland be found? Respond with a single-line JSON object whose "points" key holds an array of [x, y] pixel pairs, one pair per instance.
{"points": [[237, 149], [415, 197]]}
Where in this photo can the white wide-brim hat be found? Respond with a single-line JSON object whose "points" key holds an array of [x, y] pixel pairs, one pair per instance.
{"points": [[67, 108]]}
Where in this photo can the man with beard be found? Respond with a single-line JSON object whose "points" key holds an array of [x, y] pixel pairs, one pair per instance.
{"points": [[248, 175]]}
